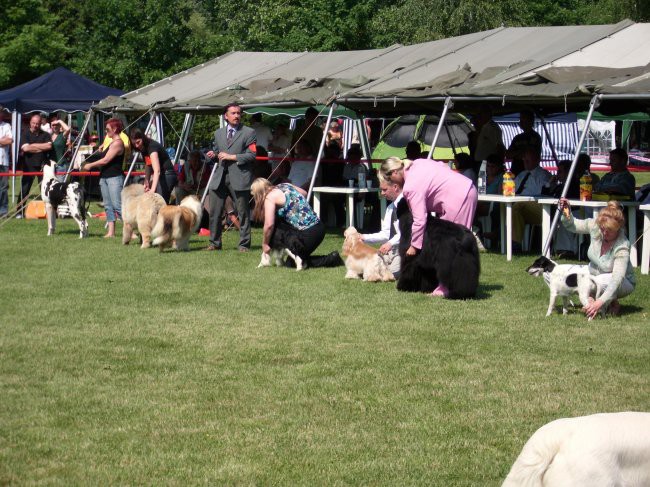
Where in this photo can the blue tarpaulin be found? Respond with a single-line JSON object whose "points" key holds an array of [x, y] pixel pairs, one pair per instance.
{"points": [[58, 90]]}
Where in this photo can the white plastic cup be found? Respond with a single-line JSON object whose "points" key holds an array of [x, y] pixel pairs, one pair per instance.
{"points": [[369, 184], [350, 183]]}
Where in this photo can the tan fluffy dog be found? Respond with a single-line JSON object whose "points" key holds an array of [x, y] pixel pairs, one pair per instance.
{"points": [[139, 212], [363, 260], [175, 224]]}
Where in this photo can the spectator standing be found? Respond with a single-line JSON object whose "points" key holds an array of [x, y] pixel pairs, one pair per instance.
{"points": [[6, 139], [193, 177], [489, 138], [308, 129], [524, 140], [60, 133], [262, 132], [36, 146], [235, 149], [302, 168]]}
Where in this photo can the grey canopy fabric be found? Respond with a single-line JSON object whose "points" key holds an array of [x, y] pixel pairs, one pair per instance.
{"points": [[561, 68]]}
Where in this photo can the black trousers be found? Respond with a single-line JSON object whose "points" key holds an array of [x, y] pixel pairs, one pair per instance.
{"points": [[300, 242], [26, 185]]}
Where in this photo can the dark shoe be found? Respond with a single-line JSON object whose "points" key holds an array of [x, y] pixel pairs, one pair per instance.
{"points": [[332, 259], [213, 247]]}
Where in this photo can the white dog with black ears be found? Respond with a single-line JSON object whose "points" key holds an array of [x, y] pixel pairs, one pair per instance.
{"points": [[55, 193], [601, 450], [565, 280]]}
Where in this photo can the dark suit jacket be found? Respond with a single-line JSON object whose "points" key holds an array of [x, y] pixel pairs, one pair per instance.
{"points": [[242, 144]]}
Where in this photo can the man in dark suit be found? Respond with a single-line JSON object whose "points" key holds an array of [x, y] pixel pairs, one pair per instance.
{"points": [[235, 149]]}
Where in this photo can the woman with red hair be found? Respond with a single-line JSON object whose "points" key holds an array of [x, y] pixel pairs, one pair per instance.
{"points": [[111, 177]]}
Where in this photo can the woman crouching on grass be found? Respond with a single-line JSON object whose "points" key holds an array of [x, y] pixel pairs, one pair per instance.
{"points": [[290, 223], [609, 255]]}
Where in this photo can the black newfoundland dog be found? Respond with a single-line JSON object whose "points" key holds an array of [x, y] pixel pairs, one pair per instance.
{"points": [[449, 256]]}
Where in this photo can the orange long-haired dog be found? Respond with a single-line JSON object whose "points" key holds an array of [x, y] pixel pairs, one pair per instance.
{"points": [[175, 224], [363, 260]]}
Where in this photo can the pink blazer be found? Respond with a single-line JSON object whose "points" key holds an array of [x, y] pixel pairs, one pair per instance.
{"points": [[433, 186]]}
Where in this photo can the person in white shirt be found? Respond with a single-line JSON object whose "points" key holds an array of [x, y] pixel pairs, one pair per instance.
{"points": [[389, 234], [6, 138], [528, 183], [489, 138]]}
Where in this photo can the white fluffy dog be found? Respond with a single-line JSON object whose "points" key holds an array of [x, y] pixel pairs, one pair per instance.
{"points": [[277, 257], [175, 224], [564, 280], [54, 193], [363, 260], [602, 450]]}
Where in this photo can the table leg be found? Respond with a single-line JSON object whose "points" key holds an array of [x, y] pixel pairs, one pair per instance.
{"points": [[502, 227], [631, 218], [317, 203], [546, 226], [645, 253], [509, 231], [350, 210]]}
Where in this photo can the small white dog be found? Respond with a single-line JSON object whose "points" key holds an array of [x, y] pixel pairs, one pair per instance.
{"points": [[54, 193], [363, 260], [277, 256], [601, 450], [564, 280]]}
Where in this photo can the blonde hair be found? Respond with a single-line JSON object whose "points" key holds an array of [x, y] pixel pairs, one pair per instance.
{"points": [[611, 217], [391, 165], [259, 189]]}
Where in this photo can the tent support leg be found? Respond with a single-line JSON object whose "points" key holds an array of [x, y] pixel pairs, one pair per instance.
{"points": [[77, 144], [320, 151], [595, 101], [448, 104]]}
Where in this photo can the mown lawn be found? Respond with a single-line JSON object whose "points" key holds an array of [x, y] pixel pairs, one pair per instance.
{"points": [[126, 366]]}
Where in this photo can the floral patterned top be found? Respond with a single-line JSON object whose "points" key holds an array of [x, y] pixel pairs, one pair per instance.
{"points": [[296, 210]]}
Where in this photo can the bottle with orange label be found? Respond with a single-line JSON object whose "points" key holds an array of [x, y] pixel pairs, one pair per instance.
{"points": [[508, 183], [585, 187]]}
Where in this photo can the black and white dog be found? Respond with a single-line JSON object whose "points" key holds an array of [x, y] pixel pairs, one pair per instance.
{"points": [[564, 280], [449, 256], [54, 193]]}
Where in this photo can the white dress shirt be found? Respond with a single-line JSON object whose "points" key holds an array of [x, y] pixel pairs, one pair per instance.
{"points": [[384, 234], [5, 131]]}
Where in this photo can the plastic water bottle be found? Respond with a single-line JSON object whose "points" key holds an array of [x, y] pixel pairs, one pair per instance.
{"points": [[362, 179], [482, 178]]}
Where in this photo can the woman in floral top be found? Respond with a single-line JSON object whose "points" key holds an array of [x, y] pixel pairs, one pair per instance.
{"points": [[290, 223], [609, 254]]}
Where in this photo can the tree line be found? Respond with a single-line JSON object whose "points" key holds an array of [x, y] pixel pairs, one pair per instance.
{"points": [[129, 43]]}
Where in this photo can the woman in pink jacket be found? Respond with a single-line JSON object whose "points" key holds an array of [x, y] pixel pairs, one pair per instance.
{"points": [[431, 186]]}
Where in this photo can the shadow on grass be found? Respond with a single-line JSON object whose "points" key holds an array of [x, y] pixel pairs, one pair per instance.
{"points": [[485, 290]]}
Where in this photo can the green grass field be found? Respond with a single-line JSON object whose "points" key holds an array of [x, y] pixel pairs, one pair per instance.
{"points": [[122, 366]]}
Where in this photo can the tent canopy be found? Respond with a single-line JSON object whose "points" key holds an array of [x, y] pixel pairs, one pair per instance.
{"points": [[58, 90], [558, 68]]}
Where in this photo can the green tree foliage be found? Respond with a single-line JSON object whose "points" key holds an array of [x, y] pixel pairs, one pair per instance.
{"points": [[31, 44], [129, 43]]}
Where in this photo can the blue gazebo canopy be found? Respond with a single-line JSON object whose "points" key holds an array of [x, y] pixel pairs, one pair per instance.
{"points": [[58, 90]]}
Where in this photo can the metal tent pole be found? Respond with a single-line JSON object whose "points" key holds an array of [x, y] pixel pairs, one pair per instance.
{"points": [[445, 108], [16, 120], [77, 144], [185, 133], [320, 152], [595, 101]]}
